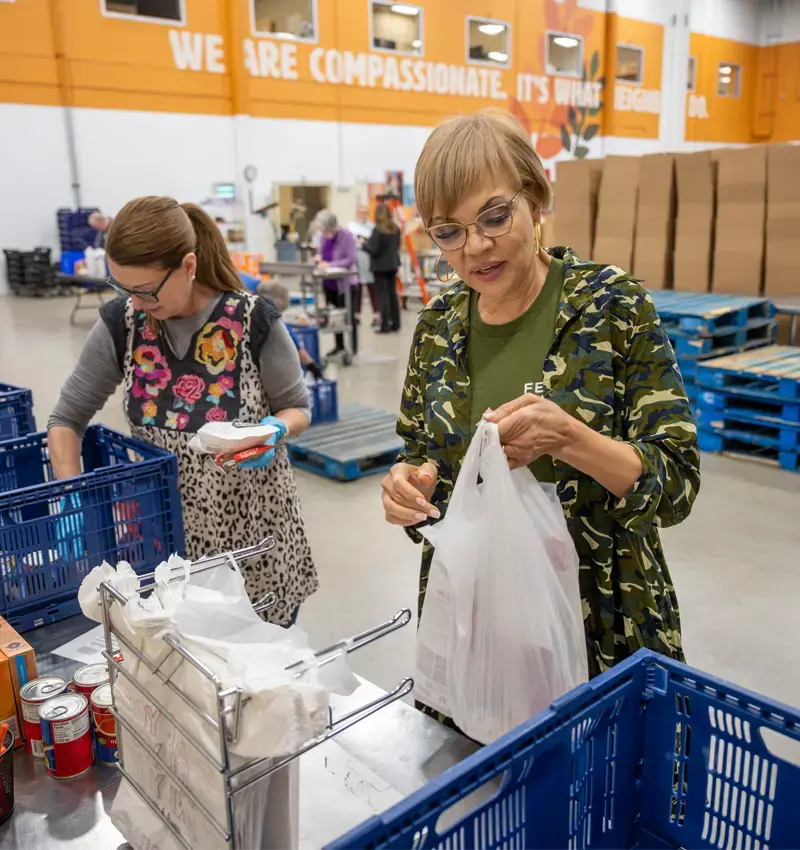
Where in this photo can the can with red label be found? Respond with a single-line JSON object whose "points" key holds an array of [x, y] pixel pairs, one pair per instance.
{"points": [[105, 726], [32, 696], [90, 677], [67, 737]]}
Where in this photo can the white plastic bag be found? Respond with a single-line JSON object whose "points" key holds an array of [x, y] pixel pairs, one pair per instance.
{"points": [[504, 576]]}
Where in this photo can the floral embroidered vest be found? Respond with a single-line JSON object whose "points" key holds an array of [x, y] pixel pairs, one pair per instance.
{"points": [[182, 394]]}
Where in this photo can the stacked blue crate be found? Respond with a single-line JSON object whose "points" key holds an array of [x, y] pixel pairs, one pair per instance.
{"points": [[704, 326], [74, 232], [749, 404]]}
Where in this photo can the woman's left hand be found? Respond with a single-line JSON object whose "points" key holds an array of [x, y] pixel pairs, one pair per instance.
{"points": [[531, 426], [266, 458]]}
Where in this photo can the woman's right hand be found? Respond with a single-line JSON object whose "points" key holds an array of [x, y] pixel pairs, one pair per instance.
{"points": [[406, 493]]}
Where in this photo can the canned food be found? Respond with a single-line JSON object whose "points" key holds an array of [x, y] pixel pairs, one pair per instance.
{"points": [[32, 696], [90, 677], [105, 726], [66, 735]]}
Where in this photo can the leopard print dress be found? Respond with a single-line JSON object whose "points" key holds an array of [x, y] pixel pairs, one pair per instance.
{"points": [[169, 398]]}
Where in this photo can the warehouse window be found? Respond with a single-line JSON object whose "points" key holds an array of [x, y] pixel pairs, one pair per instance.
{"points": [[488, 42], [691, 74], [158, 11], [729, 79], [630, 64], [291, 19], [564, 54], [396, 27]]}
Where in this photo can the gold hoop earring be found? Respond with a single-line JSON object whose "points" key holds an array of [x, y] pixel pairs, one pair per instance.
{"points": [[537, 237], [452, 270]]}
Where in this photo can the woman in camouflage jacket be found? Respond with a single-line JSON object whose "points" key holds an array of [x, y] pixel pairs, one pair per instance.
{"points": [[577, 371]]}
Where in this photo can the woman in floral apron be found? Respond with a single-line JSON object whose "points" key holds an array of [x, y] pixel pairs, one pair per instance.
{"points": [[190, 346]]}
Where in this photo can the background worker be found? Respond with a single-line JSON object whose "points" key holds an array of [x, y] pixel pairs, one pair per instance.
{"points": [[383, 246], [279, 295], [338, 249], [101, 223], [362, 229], [191, 346]]}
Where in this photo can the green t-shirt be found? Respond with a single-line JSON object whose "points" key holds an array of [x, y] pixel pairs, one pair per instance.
{"points": [[507, 361]]}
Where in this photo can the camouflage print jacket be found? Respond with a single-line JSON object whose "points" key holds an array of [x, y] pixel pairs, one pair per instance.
{"points": [[611, 366]]}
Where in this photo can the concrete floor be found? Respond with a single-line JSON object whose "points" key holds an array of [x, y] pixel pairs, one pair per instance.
{"points": [[735, 561]]}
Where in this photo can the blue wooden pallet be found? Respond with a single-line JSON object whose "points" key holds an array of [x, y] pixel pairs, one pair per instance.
{"points": [[732, 440], [784, 436], [768, 373], [363, 442], [760, 407], [758, 333], [709, 314]]}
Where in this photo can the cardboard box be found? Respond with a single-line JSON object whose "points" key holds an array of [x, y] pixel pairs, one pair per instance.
{"points": [[741, 218], [616, 211], [575, 204], [695, 179], [655, 221], [17, 668], [783, 220]]}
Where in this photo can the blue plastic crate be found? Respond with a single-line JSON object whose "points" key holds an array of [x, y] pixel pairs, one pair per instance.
{"points": [[324, 402], [308, 337], [69, 259], [16, 412], [126, 506], [652, 754]]}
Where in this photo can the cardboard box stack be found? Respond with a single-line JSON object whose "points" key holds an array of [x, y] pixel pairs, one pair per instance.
{"points": [[740, 224], [616, 211], [17, 668], [655, 221], [694, 227], [783, 220], [576, 205]]}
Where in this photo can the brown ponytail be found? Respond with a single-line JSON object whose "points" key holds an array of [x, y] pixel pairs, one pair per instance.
{"points": [[215, 268], [157, 231]]}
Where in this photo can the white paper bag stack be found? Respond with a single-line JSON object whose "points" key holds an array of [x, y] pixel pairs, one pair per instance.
{"points": [[212, 617]]}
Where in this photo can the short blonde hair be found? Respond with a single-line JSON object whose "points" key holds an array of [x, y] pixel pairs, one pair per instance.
{"points": [[466, 149]]}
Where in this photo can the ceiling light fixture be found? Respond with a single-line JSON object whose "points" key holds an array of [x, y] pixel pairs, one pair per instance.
{"points": [[565, 41], [492, 29], [401, 9], [416, 43], [497, 56], [725, 79], [725, 69], [283, 35]]}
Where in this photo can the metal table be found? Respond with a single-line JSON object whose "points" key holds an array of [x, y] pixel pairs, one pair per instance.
{"points": [[789, 305], [82, 285], [311, 283], [403, 748]]}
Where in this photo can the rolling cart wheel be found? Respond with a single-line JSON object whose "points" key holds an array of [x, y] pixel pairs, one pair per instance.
{"points": [[347, 358]]}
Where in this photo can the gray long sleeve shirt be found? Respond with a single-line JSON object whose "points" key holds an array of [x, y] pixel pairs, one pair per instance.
{"points": [[97, 374]]}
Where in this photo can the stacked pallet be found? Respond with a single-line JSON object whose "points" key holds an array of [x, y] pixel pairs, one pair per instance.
{"points": [[703, 326], [750, 404]]}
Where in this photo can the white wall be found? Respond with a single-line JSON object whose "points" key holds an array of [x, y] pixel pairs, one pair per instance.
{"points": [[737, 20], [124, 154], [34, 177], [780, 21]]}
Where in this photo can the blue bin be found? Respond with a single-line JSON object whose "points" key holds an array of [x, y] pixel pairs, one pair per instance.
{"points": [[125, 506], [652, 754], [69, 259], [308, 337], [324, 402], [16, 412]]}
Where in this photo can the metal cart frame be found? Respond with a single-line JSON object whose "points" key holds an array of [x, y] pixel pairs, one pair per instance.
{"points": [[226, 720], [311, 283]]}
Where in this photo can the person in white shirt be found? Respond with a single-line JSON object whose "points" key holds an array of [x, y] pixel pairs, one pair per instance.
{"points": [[362, 229]]}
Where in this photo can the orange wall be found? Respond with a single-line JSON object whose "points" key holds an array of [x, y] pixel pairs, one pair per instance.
{"points": [[635, 108]]}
